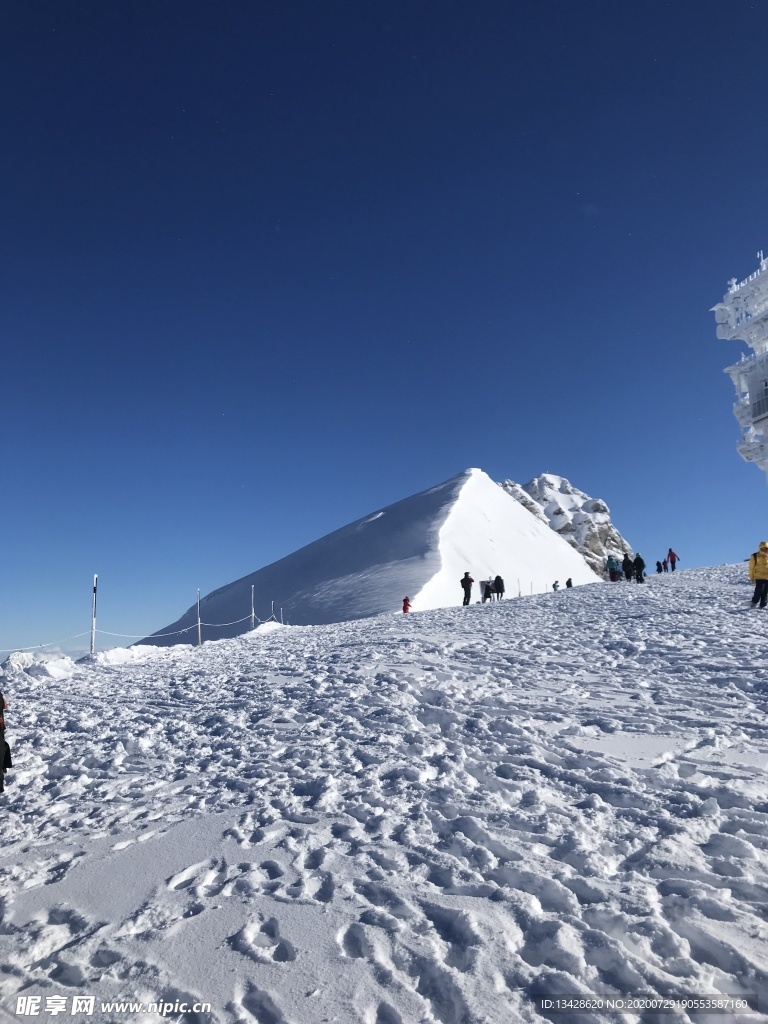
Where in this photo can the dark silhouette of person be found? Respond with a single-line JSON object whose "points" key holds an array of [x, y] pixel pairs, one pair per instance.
{"points": [[639, 565], [673, 558], [628, 566], [498, 585], [569, 583], [466, 582]]}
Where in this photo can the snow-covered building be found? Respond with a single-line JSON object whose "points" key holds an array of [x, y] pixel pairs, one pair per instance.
{"points": [[743, 316]]}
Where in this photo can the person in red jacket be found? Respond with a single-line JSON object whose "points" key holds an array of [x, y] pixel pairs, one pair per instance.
{"points": [[406, 605], [672, 558]]}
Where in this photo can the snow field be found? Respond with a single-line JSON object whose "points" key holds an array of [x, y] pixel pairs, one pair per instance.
{"points": [[424, 818]]}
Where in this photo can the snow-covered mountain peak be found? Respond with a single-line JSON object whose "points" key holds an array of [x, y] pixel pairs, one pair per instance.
{"points": [[420, 547]]}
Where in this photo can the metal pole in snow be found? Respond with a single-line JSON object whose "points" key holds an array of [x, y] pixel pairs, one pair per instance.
{"points": [[93, 614], [199, 631], [519, 591], [281, 616], [273, 609], [253, 626]]}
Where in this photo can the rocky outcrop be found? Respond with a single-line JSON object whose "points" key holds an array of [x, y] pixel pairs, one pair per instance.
{"points": [[582, 521]]}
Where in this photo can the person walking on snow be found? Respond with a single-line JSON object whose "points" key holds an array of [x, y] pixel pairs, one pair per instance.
{"points": [[466, 583], [487, 586], [5, 750], [758, 573], [556, 585], [406, 605], [569, 583], [658, 566], [498, 585], [629, 567], [665, 565], [672, 559], [639, 565]]}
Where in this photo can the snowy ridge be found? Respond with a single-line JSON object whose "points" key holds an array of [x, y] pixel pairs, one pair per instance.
{"points": [[584, 522], [419, 547], [430, 817]]}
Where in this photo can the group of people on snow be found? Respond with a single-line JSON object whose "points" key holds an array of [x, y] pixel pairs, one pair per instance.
{"points": [[627, 568], [669, 562], [630, 568], [490, 589]]}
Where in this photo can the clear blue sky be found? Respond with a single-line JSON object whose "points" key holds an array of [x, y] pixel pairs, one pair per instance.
{"points": [[270, 266]]}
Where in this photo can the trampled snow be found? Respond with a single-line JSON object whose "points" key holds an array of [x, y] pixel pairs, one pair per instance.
{"points": [[419, 547], [424, 818]]}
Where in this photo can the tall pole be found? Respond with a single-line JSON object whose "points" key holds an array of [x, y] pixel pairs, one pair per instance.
{"points": [[93, 614], [199, 632], [253, 623]]}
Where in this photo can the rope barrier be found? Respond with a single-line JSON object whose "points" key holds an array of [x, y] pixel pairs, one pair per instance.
{"points": [[39, 647], [216, 625], [137, 636]]}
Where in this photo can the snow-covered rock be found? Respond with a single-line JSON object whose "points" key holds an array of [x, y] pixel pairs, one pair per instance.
{"points": [[582, 521], [420, 547]]}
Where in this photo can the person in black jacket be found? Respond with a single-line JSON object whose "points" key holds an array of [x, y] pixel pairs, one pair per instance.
{"points": [[658, 567], [639, 565], [629, 567], [466, 583], [5, 750], [498, 586]]}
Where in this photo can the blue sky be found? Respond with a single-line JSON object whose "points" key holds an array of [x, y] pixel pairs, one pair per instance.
{"points": [[268, 267]]}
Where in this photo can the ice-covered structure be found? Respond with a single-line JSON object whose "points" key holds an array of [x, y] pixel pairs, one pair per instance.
{"points": [[743, 316]]}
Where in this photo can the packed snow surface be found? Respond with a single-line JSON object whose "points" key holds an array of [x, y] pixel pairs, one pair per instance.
{"points": [[431, 817], [419, 547]]}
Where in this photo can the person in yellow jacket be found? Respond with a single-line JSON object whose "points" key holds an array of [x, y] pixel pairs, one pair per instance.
{"points": [[758, 573]]}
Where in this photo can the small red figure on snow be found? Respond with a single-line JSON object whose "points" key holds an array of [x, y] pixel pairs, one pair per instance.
{"points": [[406, 605]]}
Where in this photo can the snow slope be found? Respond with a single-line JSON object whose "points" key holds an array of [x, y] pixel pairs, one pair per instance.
{"points": [[419, 547], [429, 818]]}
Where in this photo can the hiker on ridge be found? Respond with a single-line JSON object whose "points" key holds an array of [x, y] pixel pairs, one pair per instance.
{"points": [[466, 583], [498, 586], [673, 558], [629, 567]]}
